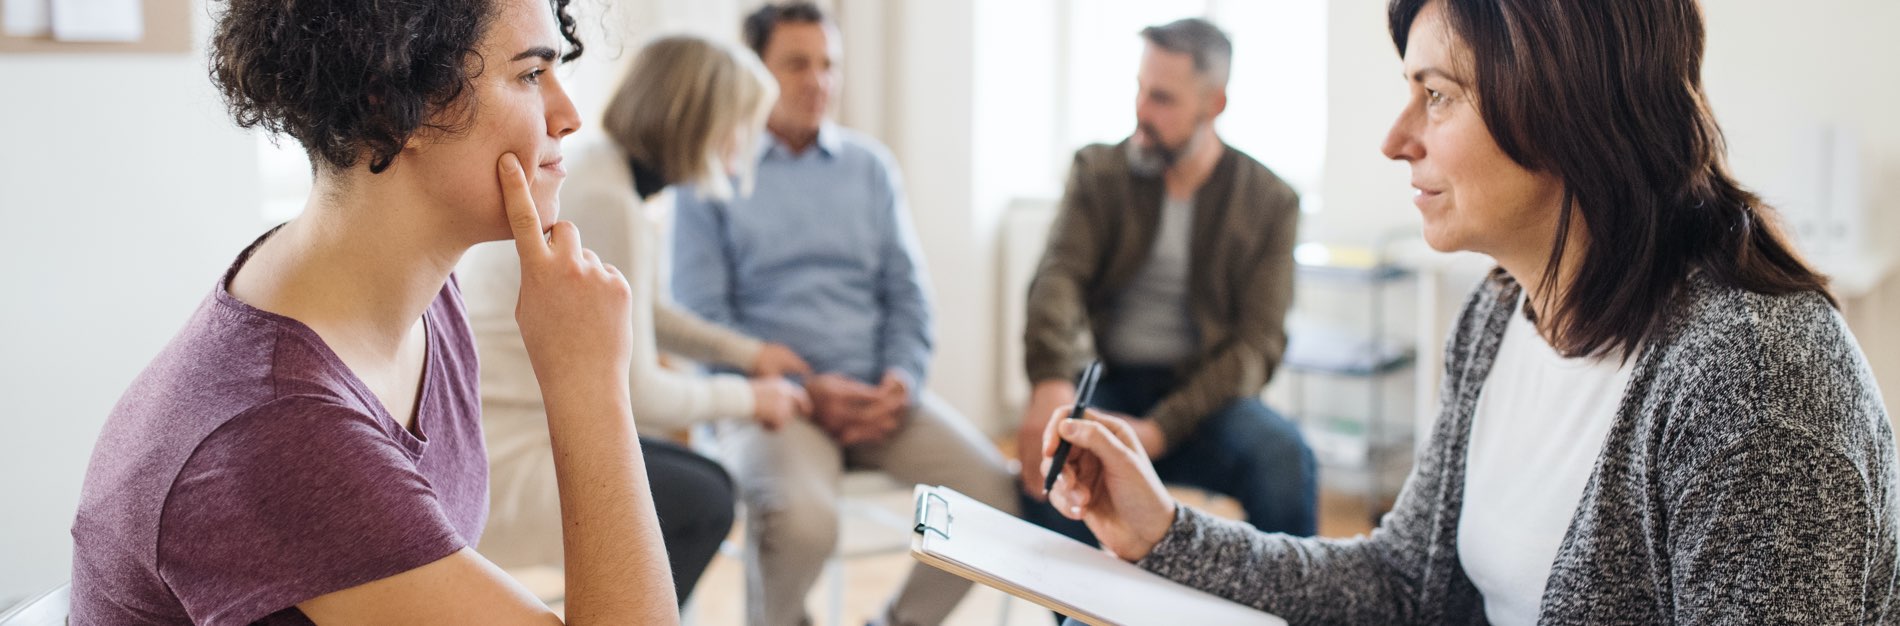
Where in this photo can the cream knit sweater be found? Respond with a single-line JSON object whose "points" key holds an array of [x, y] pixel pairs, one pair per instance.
{"points": [[599, 198]]}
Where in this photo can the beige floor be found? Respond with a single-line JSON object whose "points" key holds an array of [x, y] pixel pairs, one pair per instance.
{"points": [[882, 559]]}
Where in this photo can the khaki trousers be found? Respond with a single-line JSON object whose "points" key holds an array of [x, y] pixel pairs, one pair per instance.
{"points": [[789, 479]]}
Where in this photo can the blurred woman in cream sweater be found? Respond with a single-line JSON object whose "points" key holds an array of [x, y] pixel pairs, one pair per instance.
{"points": [[686, 110]]}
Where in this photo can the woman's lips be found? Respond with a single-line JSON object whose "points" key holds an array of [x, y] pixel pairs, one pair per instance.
{"points": [[1424, 195]]}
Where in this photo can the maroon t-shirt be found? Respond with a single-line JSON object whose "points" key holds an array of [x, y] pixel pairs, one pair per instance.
{"points": [[247, 470]]}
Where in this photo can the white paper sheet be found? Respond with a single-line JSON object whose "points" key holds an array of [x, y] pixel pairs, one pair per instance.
{"points": [[98, 20], [27, 18]]}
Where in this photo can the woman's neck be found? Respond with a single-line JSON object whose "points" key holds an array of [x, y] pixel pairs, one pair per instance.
{"points": [[360, 265], [1527, 264]]}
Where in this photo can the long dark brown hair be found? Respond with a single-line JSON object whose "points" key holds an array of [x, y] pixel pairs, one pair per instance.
{"points": [[1607, 96]]}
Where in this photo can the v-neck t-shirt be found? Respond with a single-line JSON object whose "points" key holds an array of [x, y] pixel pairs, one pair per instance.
{"points": [[247, 470]]}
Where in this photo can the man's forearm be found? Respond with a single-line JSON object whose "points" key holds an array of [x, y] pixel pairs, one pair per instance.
{"points": [[1239, 371], [1053, 346]]}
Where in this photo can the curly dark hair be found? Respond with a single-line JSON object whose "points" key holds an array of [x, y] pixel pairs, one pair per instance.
{"points": [[346, 76]]}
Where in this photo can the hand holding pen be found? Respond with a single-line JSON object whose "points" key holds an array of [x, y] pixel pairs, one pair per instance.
{"points": [[1085, 394], [1109, 483]]}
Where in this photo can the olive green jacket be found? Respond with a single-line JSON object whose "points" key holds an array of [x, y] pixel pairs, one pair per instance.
{"points": [[1241, 273]]}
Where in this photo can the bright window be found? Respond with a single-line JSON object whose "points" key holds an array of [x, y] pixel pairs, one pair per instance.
{"points": [[1276, 108]]}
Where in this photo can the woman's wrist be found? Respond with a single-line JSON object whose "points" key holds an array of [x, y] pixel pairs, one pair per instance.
{"points": [[596, 393], [1159, 533]]}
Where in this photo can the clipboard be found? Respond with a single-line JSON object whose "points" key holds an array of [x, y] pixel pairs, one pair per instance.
{"points": [[957, 534]]}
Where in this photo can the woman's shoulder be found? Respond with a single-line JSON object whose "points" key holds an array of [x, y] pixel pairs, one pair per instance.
{"points": [[297, 430], [1723, 331], [257, 397], [1727, 362], [333, 491]]}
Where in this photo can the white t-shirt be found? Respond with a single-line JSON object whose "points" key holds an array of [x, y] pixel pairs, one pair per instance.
{"points": [[1539, 428]]}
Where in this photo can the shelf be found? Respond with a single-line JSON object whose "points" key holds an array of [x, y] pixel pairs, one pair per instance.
{"points": [[1371, 366], [1345, 264], [1356, 275], [1316, 351], [1330, 338]]}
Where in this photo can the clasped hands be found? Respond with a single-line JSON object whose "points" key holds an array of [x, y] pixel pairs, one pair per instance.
{"points": [[852, 412]]}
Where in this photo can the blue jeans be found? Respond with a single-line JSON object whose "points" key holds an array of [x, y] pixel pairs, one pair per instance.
{"points": [[1244, 450]]}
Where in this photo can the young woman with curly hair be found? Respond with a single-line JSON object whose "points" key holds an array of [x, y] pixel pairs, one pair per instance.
{"points": [[308, 448]]}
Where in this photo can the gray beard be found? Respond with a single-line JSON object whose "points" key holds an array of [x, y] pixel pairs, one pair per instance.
{"points": [[1154, 160], [1149, 162]]}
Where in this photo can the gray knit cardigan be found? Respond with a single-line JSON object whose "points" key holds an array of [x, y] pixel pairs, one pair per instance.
{"points": [[1749, 479]]}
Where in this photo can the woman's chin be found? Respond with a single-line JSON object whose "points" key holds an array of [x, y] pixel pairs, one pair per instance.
{"points": [[1441, 238], [548, 207]]}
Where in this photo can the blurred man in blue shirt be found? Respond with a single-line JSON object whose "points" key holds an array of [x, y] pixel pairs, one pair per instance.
{"points": [[822, 257]]}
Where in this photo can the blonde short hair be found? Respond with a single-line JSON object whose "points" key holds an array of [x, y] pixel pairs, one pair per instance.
{"points": [[679, 104]]}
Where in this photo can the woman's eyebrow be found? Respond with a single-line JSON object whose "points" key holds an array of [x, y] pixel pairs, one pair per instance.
{"points": [[543, 52], [1419, 76]]}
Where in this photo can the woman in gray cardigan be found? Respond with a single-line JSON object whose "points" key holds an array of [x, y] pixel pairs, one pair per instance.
{"points": [[1653, 412]]}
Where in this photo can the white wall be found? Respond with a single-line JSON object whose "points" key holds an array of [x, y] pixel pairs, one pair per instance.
{"points": [[125, 193], [1367, 196], [1776, 71], [1772, 70], [931, 76], [614, 31], [969, 113]]}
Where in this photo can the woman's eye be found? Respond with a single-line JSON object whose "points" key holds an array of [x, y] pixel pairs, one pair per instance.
{"points": [[533, 77], [1434, 97]]}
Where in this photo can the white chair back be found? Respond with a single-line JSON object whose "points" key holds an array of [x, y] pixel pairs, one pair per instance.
{"points": [[47, 609]]}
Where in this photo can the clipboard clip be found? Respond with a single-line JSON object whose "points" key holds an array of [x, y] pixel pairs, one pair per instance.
{"points": [[933, 518]]}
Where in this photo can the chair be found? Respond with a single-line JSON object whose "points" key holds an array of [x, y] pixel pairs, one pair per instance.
{"points": [[868, 527], [889, 533], [47, 609], [875, 531]]}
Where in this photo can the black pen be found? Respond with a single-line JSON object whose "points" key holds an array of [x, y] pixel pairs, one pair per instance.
{"points": [[1087, 388]]}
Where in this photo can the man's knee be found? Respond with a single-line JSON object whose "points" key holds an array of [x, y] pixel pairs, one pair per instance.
{"points": [[803, 522], [958, 457], [1246, 450], [987, 481], [1250, 427]]}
